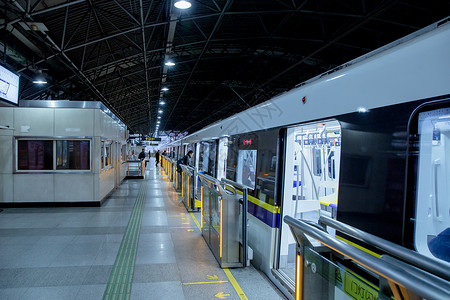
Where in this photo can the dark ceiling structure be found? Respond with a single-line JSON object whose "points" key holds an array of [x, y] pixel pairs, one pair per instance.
{"points": [[229, 55]]}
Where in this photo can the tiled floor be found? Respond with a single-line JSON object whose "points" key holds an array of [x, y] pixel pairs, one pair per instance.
{"points": [[69, 253]]}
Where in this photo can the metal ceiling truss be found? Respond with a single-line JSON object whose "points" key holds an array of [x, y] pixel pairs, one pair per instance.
{"points": [[229, 55]]}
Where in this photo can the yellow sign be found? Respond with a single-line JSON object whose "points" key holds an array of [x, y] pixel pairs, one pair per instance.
{"points": [[358, 289], [221, 295]]}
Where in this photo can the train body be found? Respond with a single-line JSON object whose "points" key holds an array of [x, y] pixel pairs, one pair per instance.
{"points": [[365, 143]]}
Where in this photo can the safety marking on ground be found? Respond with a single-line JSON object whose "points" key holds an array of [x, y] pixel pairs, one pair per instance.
{"points": [[205, 282], [195, 220], [230, 276], [236, 286], [185, 227], [212, 277], [121, 277], [221, 295]]}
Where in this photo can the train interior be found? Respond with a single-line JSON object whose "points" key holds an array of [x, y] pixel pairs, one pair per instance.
{"points": [[432, 230], [311, 181]]}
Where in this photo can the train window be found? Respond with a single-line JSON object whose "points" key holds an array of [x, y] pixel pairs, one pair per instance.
{"points": [[246, 168], [34, 155], [207, 158], [310, 179], [432, 210], [73, 155]]}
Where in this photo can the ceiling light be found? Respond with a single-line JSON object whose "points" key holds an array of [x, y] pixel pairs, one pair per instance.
{"points": [[169, 63], [164, 89], [160, 111], [362, 110], [39, 78], [159, 117], [182, 4], [158, 122], [162, 102]]}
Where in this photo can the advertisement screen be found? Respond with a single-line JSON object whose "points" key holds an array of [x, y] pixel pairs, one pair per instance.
{"points": [[246, 168], [9, 86]]}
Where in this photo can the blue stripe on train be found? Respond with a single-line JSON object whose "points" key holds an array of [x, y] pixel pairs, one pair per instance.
{"points": [[269, 218]]}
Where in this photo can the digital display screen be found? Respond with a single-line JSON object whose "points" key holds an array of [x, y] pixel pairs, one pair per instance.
{"points": [[9, 86], [246, 168]]}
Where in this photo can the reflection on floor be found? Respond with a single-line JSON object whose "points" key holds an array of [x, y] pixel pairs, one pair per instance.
{"points": [[81, 253]]}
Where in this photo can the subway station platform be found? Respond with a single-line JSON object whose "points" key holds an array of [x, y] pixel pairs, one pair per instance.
{"points": [[141, 244]]}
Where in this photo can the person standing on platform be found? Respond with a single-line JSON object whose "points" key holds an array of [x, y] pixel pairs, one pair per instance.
{"points": [[184, 161], [157, 157], [142, 155]]}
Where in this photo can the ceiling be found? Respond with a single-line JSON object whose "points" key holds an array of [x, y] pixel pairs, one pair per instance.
{"points": [[229, 55]]}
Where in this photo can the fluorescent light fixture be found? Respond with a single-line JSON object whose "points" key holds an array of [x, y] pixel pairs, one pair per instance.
{"points": [[362, 110], [336, 77], [159, 117], [158, 122], [160, 111], [162, 102], [182, 4], [169, 63], [37, 81], [164, 89], [39, 78]]}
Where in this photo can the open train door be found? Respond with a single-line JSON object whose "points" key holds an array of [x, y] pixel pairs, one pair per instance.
{"points": [[427, 219], [309, 177]]}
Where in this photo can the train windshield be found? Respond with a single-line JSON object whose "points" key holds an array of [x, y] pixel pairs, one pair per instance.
{"points": [[311, 176], [432, 229]]}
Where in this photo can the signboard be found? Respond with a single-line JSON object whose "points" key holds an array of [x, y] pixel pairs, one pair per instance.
{"points": [[9, 86], [358, 289], [153, 139]]}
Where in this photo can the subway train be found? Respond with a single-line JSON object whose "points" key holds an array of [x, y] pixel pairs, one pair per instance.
{"points": [[365, 143]]}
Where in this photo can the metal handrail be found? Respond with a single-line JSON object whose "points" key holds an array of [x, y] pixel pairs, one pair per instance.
{"points": [[235, 184], [434, 266], [209, 178], [435, 281], [244, 216], [418, 285]]}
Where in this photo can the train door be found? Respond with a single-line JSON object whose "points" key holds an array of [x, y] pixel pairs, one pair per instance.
{"points": [[310, 183], [429, 174]]}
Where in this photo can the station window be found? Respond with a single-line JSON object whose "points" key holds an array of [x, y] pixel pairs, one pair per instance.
{"points": [[106, 154], [35, 155], [73, 155], [51, 155], [123, 153]]}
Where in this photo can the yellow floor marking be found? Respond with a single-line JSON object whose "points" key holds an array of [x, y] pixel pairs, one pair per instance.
{"points": [[195, 220], [187, 223], [212, 276], [221, 295], [186, 227], [205, 282], [236, 286]]}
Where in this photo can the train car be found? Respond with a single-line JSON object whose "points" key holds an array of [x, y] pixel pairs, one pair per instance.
{"points": [[365, 143]]}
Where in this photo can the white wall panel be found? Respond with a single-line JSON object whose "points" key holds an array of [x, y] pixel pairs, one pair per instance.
{"points": [[74, 188], [6, 154], [74, 122], [106, 183], [33, 188], [6, 187], [34, 121], [6, 119]]}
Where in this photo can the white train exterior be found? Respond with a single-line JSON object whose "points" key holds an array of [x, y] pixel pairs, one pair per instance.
{"points": [[350, 136]]}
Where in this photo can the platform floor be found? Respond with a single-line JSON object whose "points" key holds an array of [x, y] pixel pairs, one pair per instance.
{"points": [[141, 244]]}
